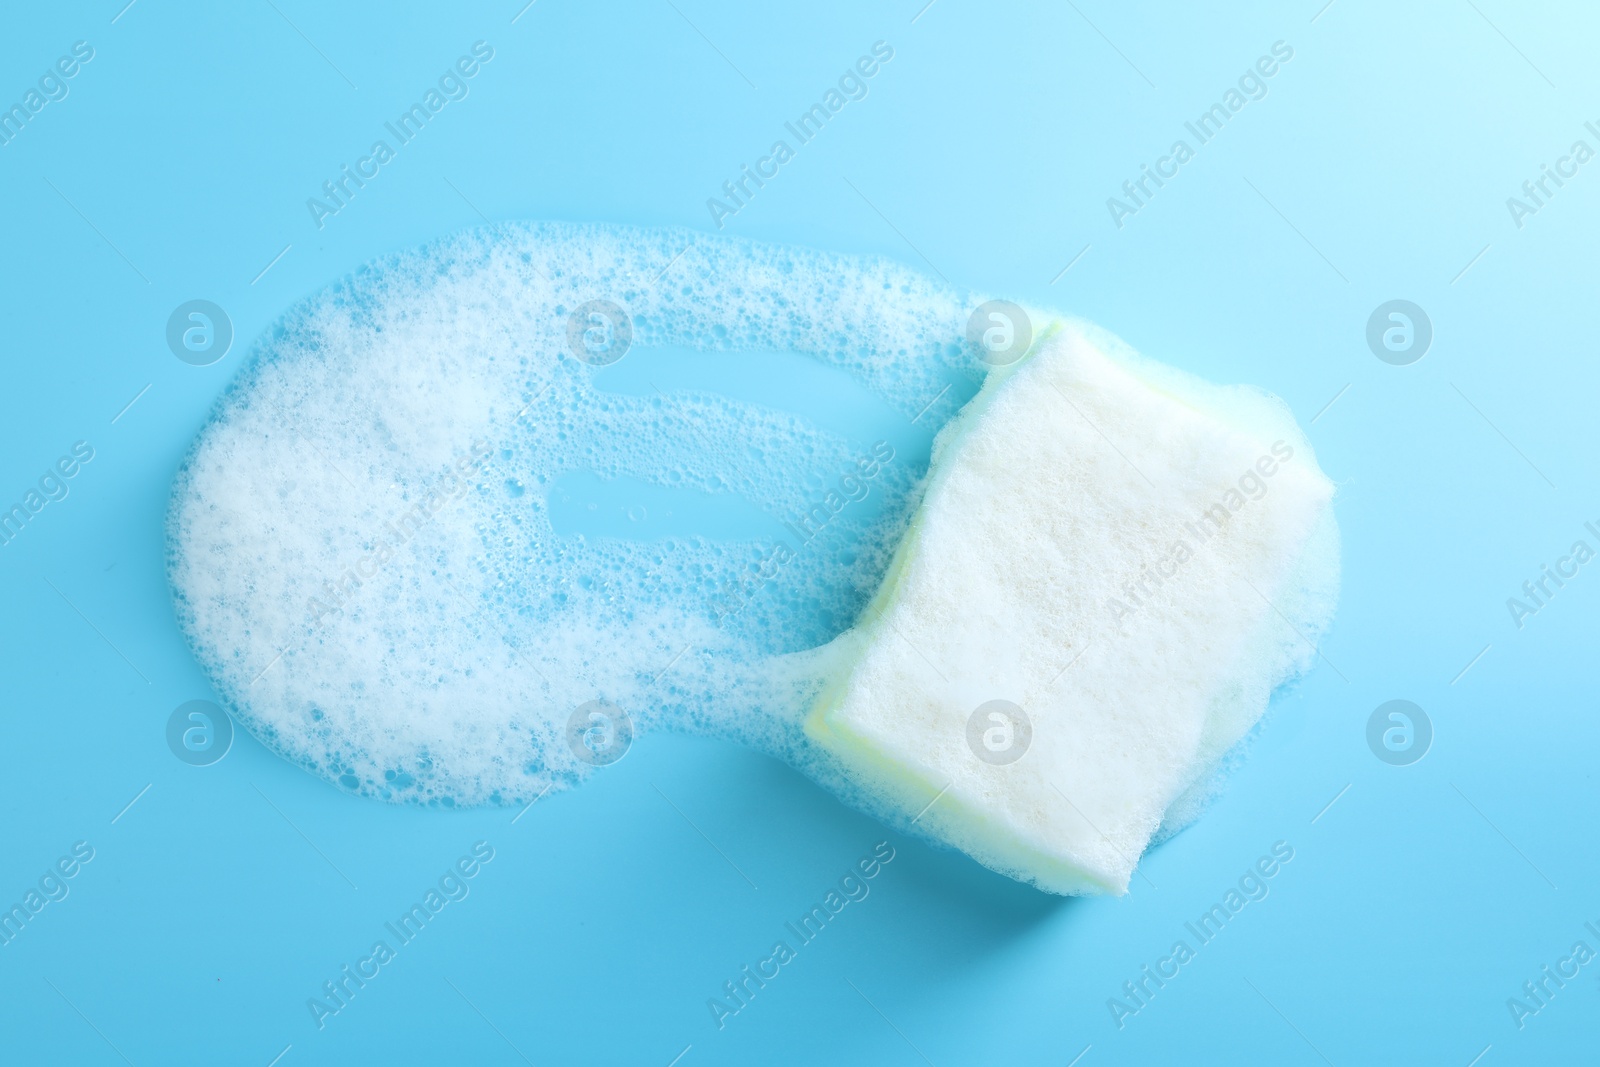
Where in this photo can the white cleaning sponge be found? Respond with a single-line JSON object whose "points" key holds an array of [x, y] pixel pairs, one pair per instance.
{"points": [[1100, 545]]}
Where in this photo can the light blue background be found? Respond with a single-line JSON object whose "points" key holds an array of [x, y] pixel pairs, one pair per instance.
{"points": [[1381, 162]]}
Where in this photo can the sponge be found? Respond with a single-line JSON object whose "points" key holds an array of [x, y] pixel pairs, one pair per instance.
{"points": [[1113, 566]]}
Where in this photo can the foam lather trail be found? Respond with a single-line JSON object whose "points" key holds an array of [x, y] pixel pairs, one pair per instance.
{"points": [[1122, 559]]}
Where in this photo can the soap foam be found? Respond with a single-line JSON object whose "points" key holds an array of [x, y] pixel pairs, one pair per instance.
{"points": [[360, 544]]}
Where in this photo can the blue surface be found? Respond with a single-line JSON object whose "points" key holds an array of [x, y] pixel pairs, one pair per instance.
{"points": [[1377, 167]]}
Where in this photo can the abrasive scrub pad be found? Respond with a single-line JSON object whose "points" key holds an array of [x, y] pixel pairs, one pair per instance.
{"points": [[1085, 614]]}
